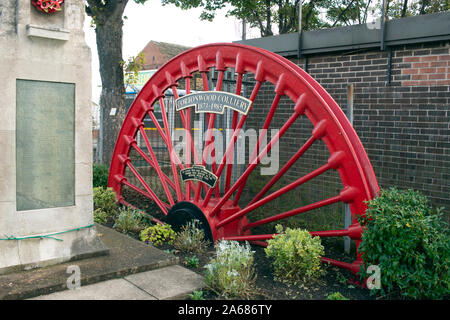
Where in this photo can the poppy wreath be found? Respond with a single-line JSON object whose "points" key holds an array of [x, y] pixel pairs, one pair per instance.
{"points": [[48, 6]]}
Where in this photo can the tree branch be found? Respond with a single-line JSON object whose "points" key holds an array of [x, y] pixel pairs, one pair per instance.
{"points": [[342, 13]]}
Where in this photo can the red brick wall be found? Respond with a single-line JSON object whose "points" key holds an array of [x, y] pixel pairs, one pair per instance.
{"points": [[404, 126], [427, 70]]}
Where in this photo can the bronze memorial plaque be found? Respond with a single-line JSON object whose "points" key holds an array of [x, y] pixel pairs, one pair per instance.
{"points": [[214, 102], [199, 173]]}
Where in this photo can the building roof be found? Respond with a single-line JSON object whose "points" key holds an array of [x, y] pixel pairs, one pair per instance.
{"points": [[157, 53], [170, 49]]}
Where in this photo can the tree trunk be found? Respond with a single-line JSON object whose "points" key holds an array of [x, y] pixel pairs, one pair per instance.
{"points": [[308, 15], [109, 46], [424, 4], [405, 7], [268, 31]]}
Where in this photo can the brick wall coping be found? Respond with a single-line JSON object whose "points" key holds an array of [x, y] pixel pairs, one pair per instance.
{"points": [[418, 29]]}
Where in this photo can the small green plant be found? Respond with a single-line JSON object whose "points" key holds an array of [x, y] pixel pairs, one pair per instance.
{"points": [[409, 242], [231, 273], [296, 255], [336, 296], [99, 175], [100, 216], [192, 262], [196, 295], [158, 234], [129, 221], [341, 278], [170, 251], [191, 238], [105, 200]]}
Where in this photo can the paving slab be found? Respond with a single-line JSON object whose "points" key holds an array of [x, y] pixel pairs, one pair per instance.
{"points": [[127, 256], [169, 283], [117, 289]]}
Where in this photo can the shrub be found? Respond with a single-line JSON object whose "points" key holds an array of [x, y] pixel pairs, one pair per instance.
{"points": [[105, 199], [231, 273], [158, 234], [99, 175], [409, 242], [129, 221], [336, 296], [296, 255], [100, 216], [191, 238]]}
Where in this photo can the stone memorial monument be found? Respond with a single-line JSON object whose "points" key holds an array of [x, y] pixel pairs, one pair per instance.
{"points": [[45, 135]]}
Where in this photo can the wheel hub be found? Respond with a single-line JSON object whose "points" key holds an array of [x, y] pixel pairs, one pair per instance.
{"points": [[185, 211]]}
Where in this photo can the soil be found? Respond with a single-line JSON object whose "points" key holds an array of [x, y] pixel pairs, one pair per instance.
{"points": [[334, 280]]}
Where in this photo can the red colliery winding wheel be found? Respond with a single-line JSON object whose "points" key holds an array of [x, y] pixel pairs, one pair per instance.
{"points": [[203, 184]]}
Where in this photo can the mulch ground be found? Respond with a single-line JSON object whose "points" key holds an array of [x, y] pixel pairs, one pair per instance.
{"points": [[335, 279]]}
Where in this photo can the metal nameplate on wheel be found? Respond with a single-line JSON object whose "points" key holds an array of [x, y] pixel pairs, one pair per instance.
{"points": [[199, 173], [214, 102]]}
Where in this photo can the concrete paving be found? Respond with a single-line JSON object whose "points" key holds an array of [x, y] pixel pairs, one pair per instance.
{"points": [[117, 289], [132, 270], [169, 283]]}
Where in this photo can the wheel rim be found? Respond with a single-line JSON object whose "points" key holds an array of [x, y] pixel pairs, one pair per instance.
{"points": [[219, 205]]}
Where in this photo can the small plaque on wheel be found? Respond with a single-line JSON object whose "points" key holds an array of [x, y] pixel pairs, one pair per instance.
{"points": [[199, 173], [214, 102]]}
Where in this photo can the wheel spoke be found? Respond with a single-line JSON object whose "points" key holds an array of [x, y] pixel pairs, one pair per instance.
{"points": [[276, 194], [347, 194], [299, 108], [229, 158], [155, 162], [153, 196], [232, 142], [257, 237], [213, 149], [140, 191], [153, 165], [172, 156], [318, 133], [294, 212], [155, 121], [355, 234], [210, 123], [262, 135], [186, 121]]}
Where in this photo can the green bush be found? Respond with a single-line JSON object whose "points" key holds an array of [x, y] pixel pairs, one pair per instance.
{"points": [[100, 216], [99, 175], [158, 234], [231, 273], [129, 221], [191, 238], [105, 200], [296, 255], [409, 242]]}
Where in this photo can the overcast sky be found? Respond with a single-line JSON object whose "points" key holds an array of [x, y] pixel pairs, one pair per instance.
{"points": [[152, 21]]}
